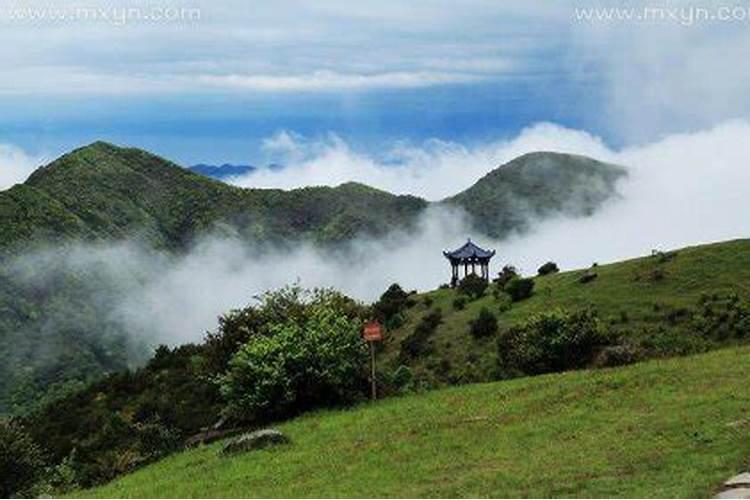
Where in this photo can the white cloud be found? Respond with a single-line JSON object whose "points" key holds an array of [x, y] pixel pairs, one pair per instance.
{"points": [[434, 170], [330, 81], [281, 46], [15, 165], [683, 190], [659, 78]]}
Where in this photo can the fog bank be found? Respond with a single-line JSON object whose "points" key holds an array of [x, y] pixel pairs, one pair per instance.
{"points": [[683, 190]]}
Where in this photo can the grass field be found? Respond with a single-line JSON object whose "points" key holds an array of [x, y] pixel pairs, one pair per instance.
{"points": [[667, 428], [637, 297]]}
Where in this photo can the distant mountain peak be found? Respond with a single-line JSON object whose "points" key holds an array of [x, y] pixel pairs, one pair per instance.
{"points": [[222, 172]]}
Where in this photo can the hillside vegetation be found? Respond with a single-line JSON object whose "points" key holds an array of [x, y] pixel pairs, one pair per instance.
{"points": [[670, 303], [55, 330], [664, 429]]}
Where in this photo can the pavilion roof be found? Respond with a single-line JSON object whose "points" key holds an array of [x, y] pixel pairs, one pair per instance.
{"points": [[469, 250]]}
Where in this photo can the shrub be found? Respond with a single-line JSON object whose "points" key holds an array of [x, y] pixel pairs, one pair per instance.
{"points": [[459, 303], [21, 460], [299, 365], [519, 288], [548, 268], [503, 277], [485, 325], [391, 303], [618, 355], [427, 301], [417, 342], [552, 341], [403, 379], [587, 277], [472, 286], [657, 275], [504, 302], [394, 322]]}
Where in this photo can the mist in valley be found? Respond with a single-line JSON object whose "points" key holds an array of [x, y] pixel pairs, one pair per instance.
{"points": [[682, 190]]}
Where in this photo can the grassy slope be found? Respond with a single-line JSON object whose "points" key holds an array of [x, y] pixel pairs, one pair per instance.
{"points": [[621, 287], [673, 428]]}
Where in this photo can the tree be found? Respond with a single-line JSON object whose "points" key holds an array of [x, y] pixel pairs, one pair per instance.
{"points": [[21, 460], [548, 268], [485, 325], [298, 365], [519, 288], [503, 277], [472, 286], [553, 341], [389, 307]]}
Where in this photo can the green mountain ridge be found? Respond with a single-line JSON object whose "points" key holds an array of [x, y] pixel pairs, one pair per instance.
{"points": [[102, 191], [573, 185]]}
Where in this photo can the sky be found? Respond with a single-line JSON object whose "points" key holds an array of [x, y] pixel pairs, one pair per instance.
{"points": [[213, 81]]}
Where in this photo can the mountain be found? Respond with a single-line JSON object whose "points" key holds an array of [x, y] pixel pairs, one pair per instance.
{"points": [[222, 172], [535, 186], [102, 191], [55, 332], [105, 192]]}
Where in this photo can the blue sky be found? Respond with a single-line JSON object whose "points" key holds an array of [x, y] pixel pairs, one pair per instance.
{"points": [[212, 87]]}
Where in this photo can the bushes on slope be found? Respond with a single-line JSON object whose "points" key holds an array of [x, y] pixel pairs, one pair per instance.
{"points": [[552, 341]]}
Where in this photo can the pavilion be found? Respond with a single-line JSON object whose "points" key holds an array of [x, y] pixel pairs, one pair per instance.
{"points": [[469, 255]]}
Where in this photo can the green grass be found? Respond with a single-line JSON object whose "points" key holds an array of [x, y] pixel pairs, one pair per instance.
{"points": [[666, 428], [623, 287]]}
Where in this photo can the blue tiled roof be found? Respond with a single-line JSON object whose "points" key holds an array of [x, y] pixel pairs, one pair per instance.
{"points": [[469, 250]]}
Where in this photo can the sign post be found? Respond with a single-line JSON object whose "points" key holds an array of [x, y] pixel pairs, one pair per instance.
{"points": [[372, 333]]}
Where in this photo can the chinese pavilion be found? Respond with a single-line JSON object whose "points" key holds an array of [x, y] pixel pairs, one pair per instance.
{"points": [[469, 256]]}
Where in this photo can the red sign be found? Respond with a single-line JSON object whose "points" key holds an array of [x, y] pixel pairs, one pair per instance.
{"points": [[372, 332]]}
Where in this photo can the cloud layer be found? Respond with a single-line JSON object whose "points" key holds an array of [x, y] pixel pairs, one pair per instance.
{"points": [[434, 170], [682, 190], [15, 165]]}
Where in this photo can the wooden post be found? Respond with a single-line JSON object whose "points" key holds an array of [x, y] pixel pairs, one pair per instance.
{"points": [[373, 332], [372, 364]]}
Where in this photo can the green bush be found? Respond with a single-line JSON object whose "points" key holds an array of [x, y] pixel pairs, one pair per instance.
{"points": [[21, 461], [519, 288], [503, 277], [548, 268], [587, 277], [472, 286], [485, 325], [552, 341], [299, 365], [417, 342], [618, 355], [402, 379], [390, 305], [459, 303]]}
